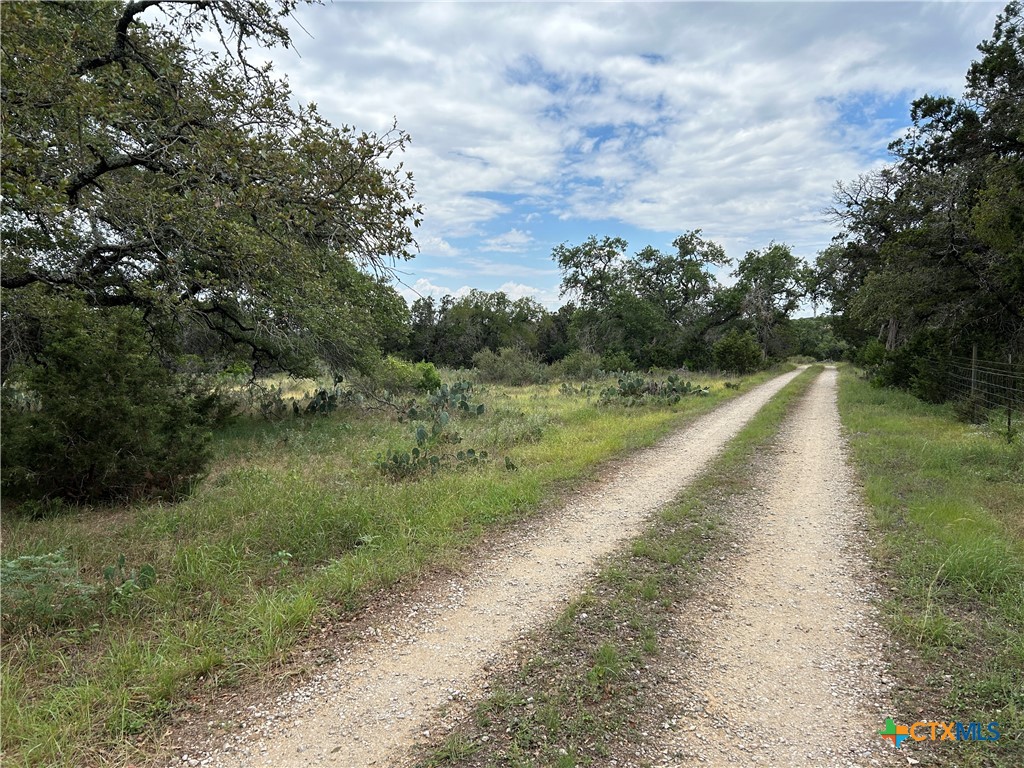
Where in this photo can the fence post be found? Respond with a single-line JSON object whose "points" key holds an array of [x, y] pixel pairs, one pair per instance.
{"points": [[1009, 401], [974, 370]]}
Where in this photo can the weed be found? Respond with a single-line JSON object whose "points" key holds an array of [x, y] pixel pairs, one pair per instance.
{"points": [[606, 666], [455, 747], [125, 583], [42, 591]]}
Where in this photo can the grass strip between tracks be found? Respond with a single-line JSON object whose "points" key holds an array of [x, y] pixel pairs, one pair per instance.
{"points": [[577, 692]]}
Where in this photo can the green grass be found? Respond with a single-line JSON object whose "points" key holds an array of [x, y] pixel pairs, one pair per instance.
{"points": [[576, 692], [948, 500], [293, 527]]}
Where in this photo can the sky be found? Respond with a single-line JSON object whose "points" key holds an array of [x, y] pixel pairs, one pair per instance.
{"points": [[535, 124]]}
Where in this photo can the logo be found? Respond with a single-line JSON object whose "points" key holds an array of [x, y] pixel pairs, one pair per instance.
{"points": [[897, 734], [936, 730]]}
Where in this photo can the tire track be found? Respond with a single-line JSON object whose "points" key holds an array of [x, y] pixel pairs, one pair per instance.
{"points": [[789, 669], [370, 707]]}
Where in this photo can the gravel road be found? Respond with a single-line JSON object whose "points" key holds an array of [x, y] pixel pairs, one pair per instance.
{"points": [[371, 706], [788, 670]]}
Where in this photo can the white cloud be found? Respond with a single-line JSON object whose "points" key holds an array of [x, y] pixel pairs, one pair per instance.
{"points": [[436, 246], [492, 268], [548, 297], [513, 241], [423, 288], [736, 118]]}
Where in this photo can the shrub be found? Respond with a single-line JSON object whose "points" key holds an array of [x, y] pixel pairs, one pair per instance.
{"points": [[737, 352], [393, 375], [430, 379], [921, 366], [96, 416], [871, 354], [510, 366], [617, 361], [579, 365]]}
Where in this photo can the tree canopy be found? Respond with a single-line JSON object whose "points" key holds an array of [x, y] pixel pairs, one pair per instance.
{"points": [[452, 330], [145, 169], [654, 306], [933, 245]]}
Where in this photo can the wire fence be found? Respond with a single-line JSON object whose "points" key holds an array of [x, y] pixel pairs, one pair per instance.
{"points": [[989, 390]]}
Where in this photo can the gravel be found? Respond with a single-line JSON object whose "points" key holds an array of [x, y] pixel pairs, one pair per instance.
{"points": [[417, 670], [785, 662]]}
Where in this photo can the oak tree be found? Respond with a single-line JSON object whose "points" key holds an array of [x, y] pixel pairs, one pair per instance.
{"points": [[144, 167]]}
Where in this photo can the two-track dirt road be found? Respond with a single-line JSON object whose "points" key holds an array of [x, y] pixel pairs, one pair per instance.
{"points": [[801, 595], [789, 670]]}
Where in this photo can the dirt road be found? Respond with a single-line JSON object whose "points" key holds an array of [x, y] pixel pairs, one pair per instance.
{"points": [[789, 669], [780, 660], [369, 708]]}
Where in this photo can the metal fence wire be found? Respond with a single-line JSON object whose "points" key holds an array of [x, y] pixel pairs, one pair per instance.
{"points": [[989, 389]]}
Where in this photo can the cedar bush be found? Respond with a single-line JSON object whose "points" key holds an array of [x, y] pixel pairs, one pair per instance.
{"points": [[397, 375], [510, 366], [579, 365], [94, 415], [738, 352]]}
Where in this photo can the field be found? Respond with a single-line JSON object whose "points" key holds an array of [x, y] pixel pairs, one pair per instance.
{"points": [[948, 502]]}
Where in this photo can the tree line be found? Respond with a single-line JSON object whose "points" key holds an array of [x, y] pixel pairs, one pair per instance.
{"points": [[635, 311], [930, 260], [169, 214]]}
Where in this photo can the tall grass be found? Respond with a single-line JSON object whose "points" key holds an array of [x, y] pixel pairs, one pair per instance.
{"points": [[948, 499], [294, 526]]}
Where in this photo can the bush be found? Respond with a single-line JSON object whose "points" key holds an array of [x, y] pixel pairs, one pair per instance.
{"points": [[96, 416], [510, 366], [617, 361], [578, 365], [737, 352], [42, 591], [871, 354], [430, 379], [920, 366], [393, 375]]}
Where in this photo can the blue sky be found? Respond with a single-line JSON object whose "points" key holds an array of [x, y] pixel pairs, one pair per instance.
{"points": [[534, 124]]}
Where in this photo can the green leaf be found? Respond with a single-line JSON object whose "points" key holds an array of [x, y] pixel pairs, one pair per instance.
{"points": [[147, 576]]}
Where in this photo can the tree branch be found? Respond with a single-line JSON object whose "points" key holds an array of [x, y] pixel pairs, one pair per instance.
{"points": [[84, 178], [120, 49], [20, 281]]}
